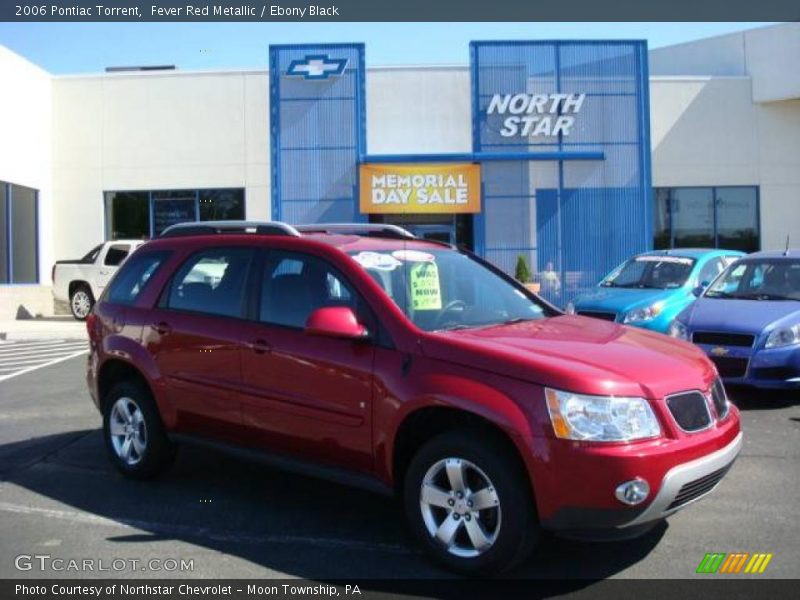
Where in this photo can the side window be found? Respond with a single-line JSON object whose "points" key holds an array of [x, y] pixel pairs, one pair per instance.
{"points": [[709, 271], [754, 278], [133, 276], [733, 280], [727, 261], [295, 285], [116, 254], [212, 282]]}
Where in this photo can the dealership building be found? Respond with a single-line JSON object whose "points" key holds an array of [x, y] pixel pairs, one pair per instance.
{"points": [[572, 154]]}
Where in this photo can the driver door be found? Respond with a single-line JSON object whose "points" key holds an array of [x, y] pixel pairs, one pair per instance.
{"points": [[302, 394]]}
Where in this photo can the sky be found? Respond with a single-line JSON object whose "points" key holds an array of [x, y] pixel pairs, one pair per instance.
{"points": [[65, 48]]}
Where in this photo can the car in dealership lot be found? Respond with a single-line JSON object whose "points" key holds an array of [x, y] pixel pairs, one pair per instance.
{"points": [[650, 289], [81, 281], [361, 353], [748, 321]]}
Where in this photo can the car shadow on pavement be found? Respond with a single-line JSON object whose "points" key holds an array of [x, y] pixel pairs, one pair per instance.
{"points": [[284, 522]]}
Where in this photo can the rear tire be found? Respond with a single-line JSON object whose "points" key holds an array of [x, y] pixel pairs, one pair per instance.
{"points": [[134, 435], [468, 502], [81, 302]]}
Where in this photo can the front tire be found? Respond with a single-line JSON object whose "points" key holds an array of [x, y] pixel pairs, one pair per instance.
{"points": [[135, 438], [468, 502], [81, 302]]}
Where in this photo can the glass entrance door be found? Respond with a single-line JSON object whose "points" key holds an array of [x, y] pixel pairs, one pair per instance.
{"points": [[439, 233]]}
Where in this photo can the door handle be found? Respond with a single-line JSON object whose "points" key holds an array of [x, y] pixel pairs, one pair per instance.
{"points": [[161, 328], [260, 346]]}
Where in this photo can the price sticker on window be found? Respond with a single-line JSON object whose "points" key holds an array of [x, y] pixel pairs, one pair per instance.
{"points": [[426, 293]]}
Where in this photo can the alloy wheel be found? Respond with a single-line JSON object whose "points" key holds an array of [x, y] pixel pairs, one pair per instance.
{"points": [[128, 431], [81, 304], [460, 507]]}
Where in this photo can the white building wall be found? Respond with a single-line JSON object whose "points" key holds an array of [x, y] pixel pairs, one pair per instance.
{"points": [[25, 159], [707, 131], [768, 55], [150, 131]]}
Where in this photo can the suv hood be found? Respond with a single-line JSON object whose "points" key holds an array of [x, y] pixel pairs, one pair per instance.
{"points": [[578, 354], [740, 316]]}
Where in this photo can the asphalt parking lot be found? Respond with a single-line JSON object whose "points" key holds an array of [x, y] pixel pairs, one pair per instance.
{"points": [[60, 497]]}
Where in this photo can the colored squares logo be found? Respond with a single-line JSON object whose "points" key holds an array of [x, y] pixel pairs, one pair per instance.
{"points": [[734, 563]]}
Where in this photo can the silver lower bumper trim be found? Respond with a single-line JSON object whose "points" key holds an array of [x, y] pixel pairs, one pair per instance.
{"points": [[678, 476]]}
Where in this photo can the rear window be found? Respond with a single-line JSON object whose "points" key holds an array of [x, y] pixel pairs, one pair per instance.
{"points": [[134, 275]]}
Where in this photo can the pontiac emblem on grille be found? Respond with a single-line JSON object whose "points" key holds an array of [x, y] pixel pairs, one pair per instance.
{"points": [[719, 351]]}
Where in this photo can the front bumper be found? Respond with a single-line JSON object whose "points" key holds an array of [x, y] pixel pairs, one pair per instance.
{"points": [[689, 482], [574, 482], [773, 368]]}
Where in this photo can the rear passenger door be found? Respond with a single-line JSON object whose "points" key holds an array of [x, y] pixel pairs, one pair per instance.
{"points": [[194, 336], [307, 395]]}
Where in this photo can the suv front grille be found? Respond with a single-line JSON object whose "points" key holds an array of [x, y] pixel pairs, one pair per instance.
{"points": [[605, 316], [719, 398], [690, 410], [699, 487], [715, 338], [730, 367]]}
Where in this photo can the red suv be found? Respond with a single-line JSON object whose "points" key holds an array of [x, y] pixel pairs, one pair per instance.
{"points": [[362, 353]]}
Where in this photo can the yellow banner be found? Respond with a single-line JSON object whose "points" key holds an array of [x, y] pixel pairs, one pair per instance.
{"points": [[420, 188]]}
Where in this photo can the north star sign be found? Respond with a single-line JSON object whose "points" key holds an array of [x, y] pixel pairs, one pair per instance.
{"points": [[548, 115]]}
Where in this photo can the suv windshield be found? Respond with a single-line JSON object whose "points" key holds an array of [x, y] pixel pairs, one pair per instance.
{"points": [[445, 289], [771, 279], [659, 272]]}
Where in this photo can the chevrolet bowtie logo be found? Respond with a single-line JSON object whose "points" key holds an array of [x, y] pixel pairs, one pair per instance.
{"points": [[719, 351], [317, 66]]}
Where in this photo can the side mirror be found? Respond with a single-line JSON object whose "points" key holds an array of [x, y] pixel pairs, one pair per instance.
{"points": [[335, 322], [700, 289]]}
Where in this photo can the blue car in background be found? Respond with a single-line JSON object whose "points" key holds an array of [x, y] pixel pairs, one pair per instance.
{"points": [[748, 321], [650, 289]]}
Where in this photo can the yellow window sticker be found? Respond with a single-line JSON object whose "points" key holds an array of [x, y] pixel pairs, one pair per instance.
{"points": [[425, 291]]}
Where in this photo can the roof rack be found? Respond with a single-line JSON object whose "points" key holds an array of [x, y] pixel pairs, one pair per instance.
{"points": [[366, 229], [212, 227]]}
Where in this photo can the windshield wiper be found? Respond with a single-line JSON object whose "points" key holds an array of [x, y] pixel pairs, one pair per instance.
{"points": [[455, 327], [518, 320], [763, 297]]}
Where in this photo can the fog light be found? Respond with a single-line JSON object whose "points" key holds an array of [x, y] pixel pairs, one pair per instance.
{"points": [[632, 492]]}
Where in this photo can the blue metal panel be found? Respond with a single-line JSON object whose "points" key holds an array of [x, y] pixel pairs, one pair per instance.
{"points": [[317, 133], [483, 156], [581, 217]]}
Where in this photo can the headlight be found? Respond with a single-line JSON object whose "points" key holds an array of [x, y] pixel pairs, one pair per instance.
{"points": [[570, 308], [785, 336], [647, 313], [678, 330], [600, 418]]}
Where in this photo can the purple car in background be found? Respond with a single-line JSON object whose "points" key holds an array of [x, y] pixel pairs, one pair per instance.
{"points": [[748, 321]]}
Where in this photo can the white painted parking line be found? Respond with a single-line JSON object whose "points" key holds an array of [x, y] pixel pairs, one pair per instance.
{"points": [[20, 357], [29, 350], [32, 343], [42, 353]]}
